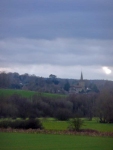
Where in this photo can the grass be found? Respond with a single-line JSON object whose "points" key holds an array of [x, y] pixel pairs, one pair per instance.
{"points": [[52, 124], [25, 141], [27, 94], [32, 141], [55, 125], [104, 127]]}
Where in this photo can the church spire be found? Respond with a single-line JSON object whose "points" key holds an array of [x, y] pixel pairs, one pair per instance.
{"points": [[81, 76]]}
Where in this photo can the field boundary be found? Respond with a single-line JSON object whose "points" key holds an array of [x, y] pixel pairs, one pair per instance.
{"points": [[87, 132]]}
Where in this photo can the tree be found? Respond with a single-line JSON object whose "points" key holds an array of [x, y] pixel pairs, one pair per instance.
{"points": [[93, 87], [52, 76], [4, 80], [62, 114], [67, 86], [104, 107]]}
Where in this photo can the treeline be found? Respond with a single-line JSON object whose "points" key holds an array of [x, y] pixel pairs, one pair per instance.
{"points": [[85, 105], [33, 83], [52, 84]]}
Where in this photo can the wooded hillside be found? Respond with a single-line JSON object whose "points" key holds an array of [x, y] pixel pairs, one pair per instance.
{"points": [[52, 84]]}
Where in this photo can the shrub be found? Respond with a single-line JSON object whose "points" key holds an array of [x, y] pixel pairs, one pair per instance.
{"points": [[76, 124], [5, 124], [22, 124], [33, 123]]}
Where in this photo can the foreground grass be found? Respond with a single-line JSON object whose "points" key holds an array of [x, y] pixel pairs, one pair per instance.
{"points": [[27, 94], [25, 141], [52, 124]]}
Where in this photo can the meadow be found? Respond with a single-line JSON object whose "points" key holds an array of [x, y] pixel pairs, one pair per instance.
{"points": [[27, 94], [46, 141], [53, 124], [29, 141]]}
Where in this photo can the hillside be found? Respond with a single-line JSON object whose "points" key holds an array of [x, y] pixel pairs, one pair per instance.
{"points": [[27, 94], [52, 84]]}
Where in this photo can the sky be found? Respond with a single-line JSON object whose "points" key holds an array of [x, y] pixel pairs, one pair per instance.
{"points": [[60, 37]]}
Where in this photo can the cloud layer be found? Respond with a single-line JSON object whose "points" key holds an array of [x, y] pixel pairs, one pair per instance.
{"points": [[64, 52], [52, 19], [61, 37]]}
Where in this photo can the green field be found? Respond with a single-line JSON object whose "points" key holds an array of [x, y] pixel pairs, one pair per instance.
{"points": [[52, 124], [27, 94], [36, 141], [28, 141]]}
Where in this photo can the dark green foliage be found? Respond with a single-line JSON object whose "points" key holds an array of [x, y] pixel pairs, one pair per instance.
{"points": [[93, 87], [62, 114], [76, 124], [81, 105], [41, 84], [55, 81], [5, 124], [21, 124], [67, 86], [104, 107], [4, 80]]}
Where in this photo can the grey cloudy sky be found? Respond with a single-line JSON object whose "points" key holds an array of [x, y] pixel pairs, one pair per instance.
{"points": [[60, 37]]}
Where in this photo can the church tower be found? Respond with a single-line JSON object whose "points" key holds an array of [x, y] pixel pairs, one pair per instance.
{"points": [[81, 82], [79, 87], [81, 77]]}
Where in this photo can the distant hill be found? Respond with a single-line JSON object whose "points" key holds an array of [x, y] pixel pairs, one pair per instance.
{"points": [[52, 84]]}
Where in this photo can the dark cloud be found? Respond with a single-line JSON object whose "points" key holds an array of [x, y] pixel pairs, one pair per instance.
{"points": [[52, 19], [64, 52], [56, 34], [26, 7]]}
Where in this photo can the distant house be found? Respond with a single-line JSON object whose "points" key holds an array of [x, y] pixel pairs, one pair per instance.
{"points": [[79, 87]]}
